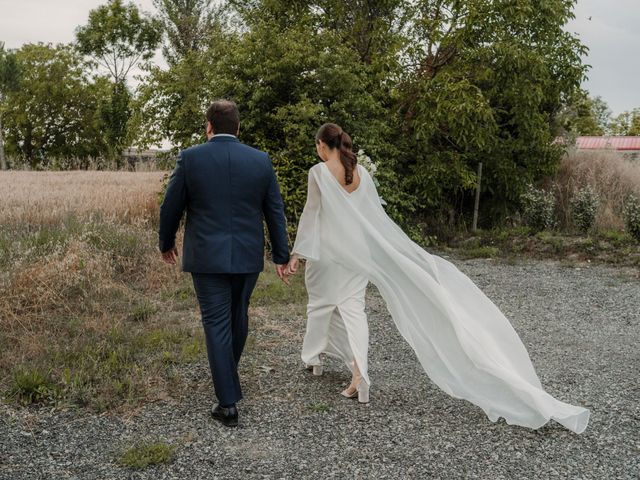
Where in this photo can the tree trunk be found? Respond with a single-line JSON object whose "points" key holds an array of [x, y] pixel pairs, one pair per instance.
{"points": [[474, 227], [3, 161]]}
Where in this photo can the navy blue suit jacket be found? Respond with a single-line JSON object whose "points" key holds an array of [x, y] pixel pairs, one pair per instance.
{"points": [[226, 188]]}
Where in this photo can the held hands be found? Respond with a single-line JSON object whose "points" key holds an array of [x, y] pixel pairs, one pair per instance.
{"points": [[285, 271]]}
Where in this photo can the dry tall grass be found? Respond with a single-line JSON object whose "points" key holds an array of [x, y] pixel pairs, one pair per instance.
{"points": [[611, 177], [88, 312], [44, 198], [89, 315]]}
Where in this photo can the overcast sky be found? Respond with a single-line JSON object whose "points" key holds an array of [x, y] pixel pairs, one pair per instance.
{"points": [[610, 28]]}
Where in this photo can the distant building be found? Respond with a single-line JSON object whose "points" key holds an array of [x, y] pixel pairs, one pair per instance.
{"points": [[136, 155], [628, 147]]}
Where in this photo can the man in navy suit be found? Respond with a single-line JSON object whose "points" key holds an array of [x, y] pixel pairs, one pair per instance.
{"points": [[226, 188]]}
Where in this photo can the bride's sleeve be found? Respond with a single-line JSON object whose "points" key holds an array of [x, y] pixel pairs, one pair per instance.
{"points": [[307, 244]]}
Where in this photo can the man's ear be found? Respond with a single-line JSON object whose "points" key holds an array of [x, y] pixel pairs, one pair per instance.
{"points": [[210, 131], [238, 131]]}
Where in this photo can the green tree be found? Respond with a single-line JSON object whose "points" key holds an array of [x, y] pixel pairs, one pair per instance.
{"points": [[626, 123], [487, 80], [170, 103], [584, 115], [55, 113], [289, 73], [602, 113], [9, 80], [118, 37], [187, 25], [427, 88]]}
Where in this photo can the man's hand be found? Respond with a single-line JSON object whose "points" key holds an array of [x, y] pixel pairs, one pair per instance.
{"points": [[170, 256], [280, 271]]}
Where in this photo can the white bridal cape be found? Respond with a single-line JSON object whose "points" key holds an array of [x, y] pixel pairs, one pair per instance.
{"points": [[462, 340]]}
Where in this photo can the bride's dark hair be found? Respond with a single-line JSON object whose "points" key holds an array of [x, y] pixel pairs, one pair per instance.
{"points": [[335, 137]]}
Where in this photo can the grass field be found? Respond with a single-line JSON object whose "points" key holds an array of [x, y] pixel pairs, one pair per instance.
{"points": [[89, 315]]}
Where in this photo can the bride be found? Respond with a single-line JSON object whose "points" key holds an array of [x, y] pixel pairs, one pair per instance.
{"points": [[462, 340], [336, 320]]}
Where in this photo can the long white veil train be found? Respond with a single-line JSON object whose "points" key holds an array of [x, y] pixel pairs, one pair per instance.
{"points": [[462, 340]]}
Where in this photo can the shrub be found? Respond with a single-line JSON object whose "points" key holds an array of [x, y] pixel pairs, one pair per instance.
{"points": [[584, 207], [538, 208], [631, 215], [612, 177], [142, 311], [143, 454], [481, 252], [31, 385]]}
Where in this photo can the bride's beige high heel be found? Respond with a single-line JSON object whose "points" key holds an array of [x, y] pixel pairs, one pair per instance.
{"points": [[361, 391], [358, 388], [317, 369]]}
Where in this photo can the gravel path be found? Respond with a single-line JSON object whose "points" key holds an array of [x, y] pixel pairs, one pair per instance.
{"points": [[581, 327]]}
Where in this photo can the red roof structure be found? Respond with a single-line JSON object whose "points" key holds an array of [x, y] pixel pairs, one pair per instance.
{"points": [[611, 143]]}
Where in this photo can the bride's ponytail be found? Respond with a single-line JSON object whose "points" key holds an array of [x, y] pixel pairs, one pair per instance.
{"points": [[347, 157], [335, 137]]}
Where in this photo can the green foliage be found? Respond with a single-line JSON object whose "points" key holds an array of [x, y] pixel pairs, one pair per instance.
{"points": [[31, 385], [632, 216], [9, 71], [145, 453], [115, 114], [584, 207], [186, 24], [512, 244], [538, 208], [288, 78], [583, 115], [488, 79], [627, 123], [9, 82], [163, 188], [170, 105], [56, 111], [480, 252], [427, 88], [118, 37]]}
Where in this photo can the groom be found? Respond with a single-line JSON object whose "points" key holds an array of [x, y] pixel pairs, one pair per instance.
{"points": [[226, 188]]}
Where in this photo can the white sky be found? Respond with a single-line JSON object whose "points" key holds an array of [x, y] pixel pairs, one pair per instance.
{"points": [[612, 34], [613, 38]]}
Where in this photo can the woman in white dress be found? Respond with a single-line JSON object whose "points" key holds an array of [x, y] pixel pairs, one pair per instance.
{"points": [[462, 340], [336, 320]]}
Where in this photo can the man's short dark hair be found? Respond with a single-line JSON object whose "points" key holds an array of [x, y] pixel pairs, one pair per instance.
{"points": [[224, 116]]}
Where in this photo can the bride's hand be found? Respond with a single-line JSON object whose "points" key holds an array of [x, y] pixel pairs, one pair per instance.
{"points": [[292, 266]]}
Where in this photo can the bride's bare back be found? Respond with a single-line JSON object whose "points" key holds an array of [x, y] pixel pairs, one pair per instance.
{"points": [[337, 170]]}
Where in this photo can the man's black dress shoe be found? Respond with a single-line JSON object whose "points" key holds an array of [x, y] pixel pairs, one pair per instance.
{"points": [[226, 415]]}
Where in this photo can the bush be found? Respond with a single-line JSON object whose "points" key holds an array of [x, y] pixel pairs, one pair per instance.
{"points": [[538, 208], [584, 207], [31, 385], [143, 454], [612, 178], [631, 215]]}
